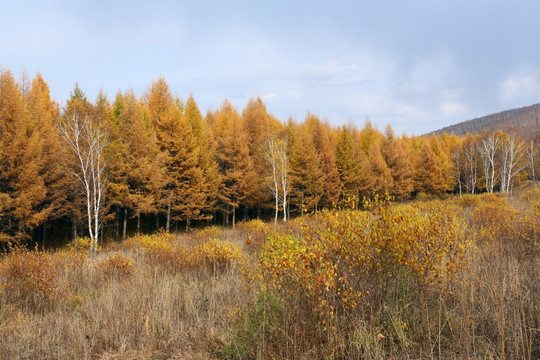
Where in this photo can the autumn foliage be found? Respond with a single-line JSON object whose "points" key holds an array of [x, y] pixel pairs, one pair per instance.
{"points": [[390, 246], [390, 280], [164, 163]]}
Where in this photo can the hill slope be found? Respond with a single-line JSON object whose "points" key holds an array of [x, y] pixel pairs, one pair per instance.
{"points": [[524, 121]]}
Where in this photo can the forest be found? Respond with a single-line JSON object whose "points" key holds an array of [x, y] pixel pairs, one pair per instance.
{"points": [[236, 235], [103, 167]]}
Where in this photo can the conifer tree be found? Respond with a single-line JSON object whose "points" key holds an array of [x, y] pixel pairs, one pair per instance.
{"points": [[23, 190], [44, 114], [206, 159], [397, 157], [327, 156], [428, 176], [239, 179], [382, 176], [348, 167], [256, 123], [307, 176]]}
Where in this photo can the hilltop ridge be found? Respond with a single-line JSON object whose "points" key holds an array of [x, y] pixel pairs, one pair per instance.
{"points": [[525, 121]]}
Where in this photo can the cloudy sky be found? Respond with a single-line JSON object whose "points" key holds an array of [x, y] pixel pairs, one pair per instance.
{"points": [[418, 65]]}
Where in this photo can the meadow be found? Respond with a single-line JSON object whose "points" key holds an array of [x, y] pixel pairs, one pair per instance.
{"points": [[427, 279]]}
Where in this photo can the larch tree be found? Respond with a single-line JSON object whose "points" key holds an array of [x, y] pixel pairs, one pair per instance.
{"points": [[428, 176], [383, 181], [206, 160], [307, 176], [255, 121], [327, 156], [44, 114], [119, 199], [238, 178], [348, 167], [23, 192], [146, 169], [397, 157], [166, 117]]}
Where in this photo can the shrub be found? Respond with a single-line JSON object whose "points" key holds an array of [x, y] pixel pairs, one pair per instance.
{"points": [[496, 219], [30, 279], [82, 243], [346, 258], [207, 233], [117, 265], [218, 254], [255, 232], [161, 250]]}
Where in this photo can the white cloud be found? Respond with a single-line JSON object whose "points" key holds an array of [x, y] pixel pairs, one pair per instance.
{"points": [[453, 109], [521, 86], [267, 98]]}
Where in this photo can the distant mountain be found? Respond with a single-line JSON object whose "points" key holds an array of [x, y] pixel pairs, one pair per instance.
{"points": [[523, 121]]}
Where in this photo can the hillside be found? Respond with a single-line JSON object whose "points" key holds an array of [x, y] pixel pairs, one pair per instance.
{"points": [[524, 121]]}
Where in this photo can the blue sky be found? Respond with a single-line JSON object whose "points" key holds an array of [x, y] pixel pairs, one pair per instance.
{"points": [[417, 65]]}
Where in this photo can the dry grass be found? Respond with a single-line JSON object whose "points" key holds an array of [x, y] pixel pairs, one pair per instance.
{"points": [[199, 296]]}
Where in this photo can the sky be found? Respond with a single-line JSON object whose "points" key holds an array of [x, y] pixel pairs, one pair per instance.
{"points": [[417, 65]]}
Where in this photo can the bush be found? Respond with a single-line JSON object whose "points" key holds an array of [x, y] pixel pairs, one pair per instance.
{"points": [[218, 254], [255, 232], [207, 233], [387, 256], [82, 243], [176, 256], [117, 265], [30, 279]]}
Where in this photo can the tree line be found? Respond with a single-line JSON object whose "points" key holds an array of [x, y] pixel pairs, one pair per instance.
{"points": [[157, 162]]}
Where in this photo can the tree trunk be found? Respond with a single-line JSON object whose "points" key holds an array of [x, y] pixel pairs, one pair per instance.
{"points": [[302, 204], [44, 232], [74, 229], [138, 223], [277, 209], [157, 221], [188, 223], [233, 217], [125, 224], [116, 224], [168, 216]]}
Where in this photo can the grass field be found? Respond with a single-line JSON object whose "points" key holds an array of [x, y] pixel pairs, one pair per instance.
{"points": [[454, 278]]}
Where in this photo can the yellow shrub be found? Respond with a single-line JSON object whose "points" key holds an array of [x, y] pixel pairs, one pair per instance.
{"points": [[495, 218], [117, 265], [255, 232], [343, 255], [82, 243], [30, 278], [218, 254], [207, 233]]}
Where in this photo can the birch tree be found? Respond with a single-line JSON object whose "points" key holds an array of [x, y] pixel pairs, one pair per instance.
{"points": [[489, 146], [275, 154], [87, 141], [470, 157], [513, 150], [532, 158], [456, 157]]}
